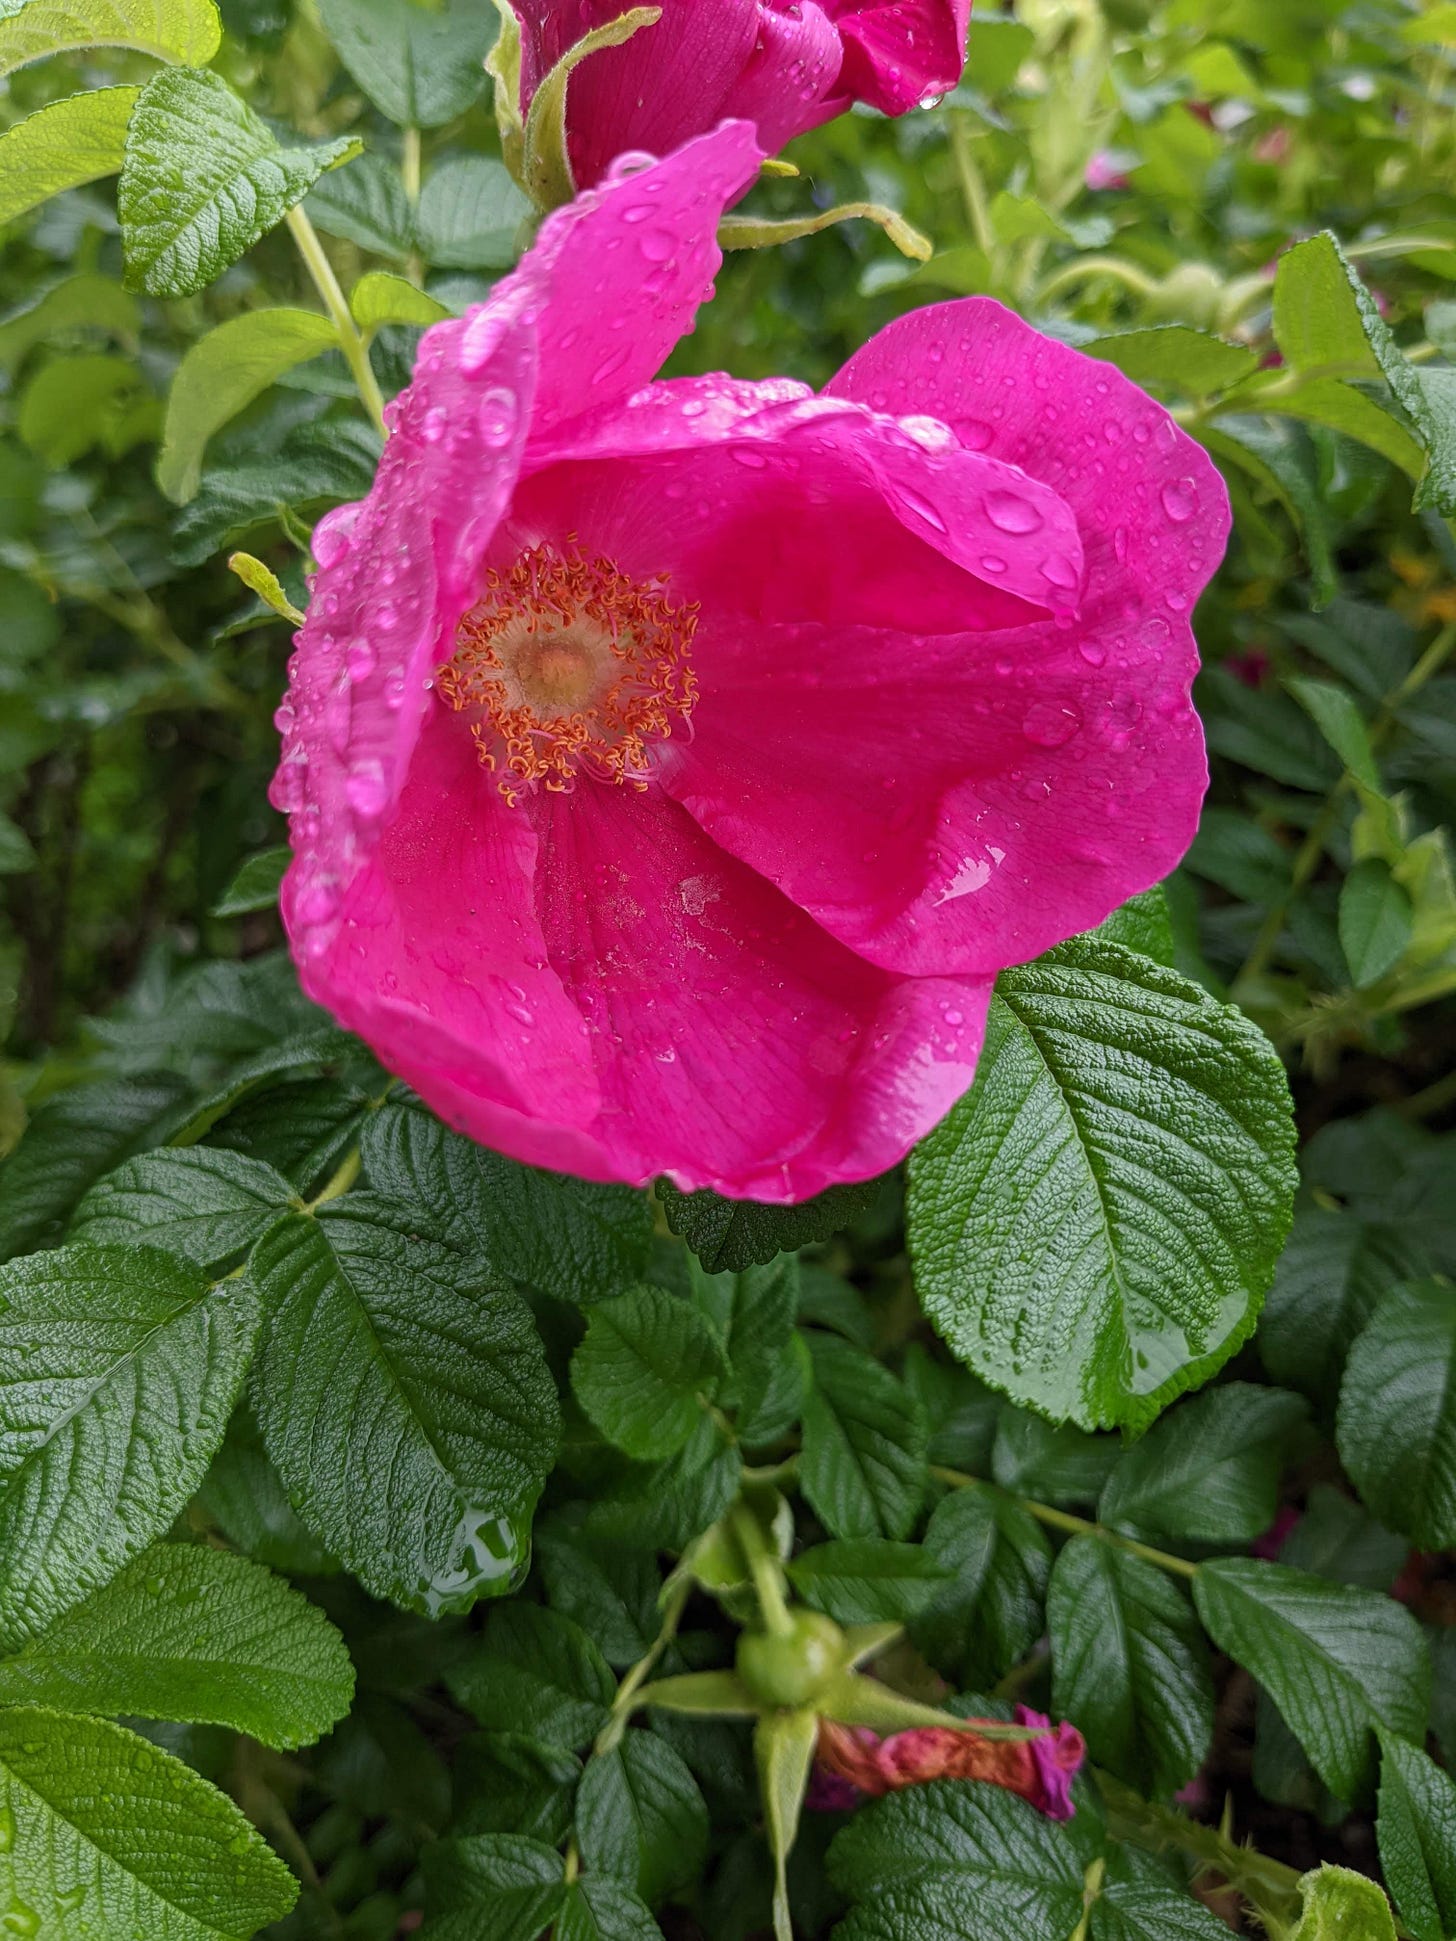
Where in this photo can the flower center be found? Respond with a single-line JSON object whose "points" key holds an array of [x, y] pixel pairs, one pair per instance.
{"points": [[567, 664]]}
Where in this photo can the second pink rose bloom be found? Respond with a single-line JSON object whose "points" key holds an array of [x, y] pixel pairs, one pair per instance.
{"points": [[671, 766], [784, 65]]}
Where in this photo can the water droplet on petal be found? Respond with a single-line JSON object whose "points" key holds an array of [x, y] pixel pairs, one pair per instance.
{"points": [[1009, 512], [1049, 724], [1180, 500], [366, 789], [496, 416], [975, 435], [359, 659]]}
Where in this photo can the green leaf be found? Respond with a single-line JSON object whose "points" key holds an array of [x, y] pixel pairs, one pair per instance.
{"points": [[663, 1506], [420, 66], [951, 1862], [16, 853], [1337, 1661], [568, 1237], [992, 1612], [730, 1235], [1056, 1463], [506, 1783], [1210, 1469], [641, 1818], [244, 1496], [203, 179], [224, 371], [201, 1203], [118, 1369], [1144, 924], [1324, 316], [1416, 1829], [1338, 719], [89, 301], [190, 1633], [756, 1315], [1336, 1537], [537, 1673], [998, 47], [1376, 922], [862, 1466], [1340, 407], [647, 1358], [365, 204], [609, 1589], [599, 1908], [67, 143], [470, 214], [256, 885], [405, 1401], [783, 1751], [1333, 1273], [186, 31], [1343, 1906], [1095, 1224], [1130, 1666], [379, 298], [1279, 459], [867, 1581], [1137, 1904], [73, 1138], [76, 404], [1397, 1418], [1174, 357], [501, 1884], [110, 1836]]}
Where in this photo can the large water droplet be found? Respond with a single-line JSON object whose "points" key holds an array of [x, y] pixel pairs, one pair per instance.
{"points": [[1050, 724], [359, 659], [1180, 500], [366, 789], [1009, 512], [495, 416]]}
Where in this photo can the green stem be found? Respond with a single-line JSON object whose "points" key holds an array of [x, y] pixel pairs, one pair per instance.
{"points": [[1091, 1894], [1270, 1888], [625, 1701], [411, 170], [1128, 274], [339, 1182], [327, 285], [768, 1576], [1076, 1526], [973, 188]]}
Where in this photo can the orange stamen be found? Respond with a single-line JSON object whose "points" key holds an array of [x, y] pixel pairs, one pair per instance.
{"points": [[568, 664]]}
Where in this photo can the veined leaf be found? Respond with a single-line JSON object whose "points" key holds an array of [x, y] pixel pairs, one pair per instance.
{"points": [[203, 179], [1416, 1829], [224, 371], [62, 145], [193, 1634], [405, 1400], [380, 298], [646, 1358], [1397, 1420], [118, 1369], [197, 1201], [1096, 1223], [110, 1836], [420, 66], [186, 31]]}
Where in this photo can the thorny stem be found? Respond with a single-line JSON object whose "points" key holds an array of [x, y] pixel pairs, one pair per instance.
{"points": [[625, 1701], [1310, 851], [327, 285], [1077, 1526]]}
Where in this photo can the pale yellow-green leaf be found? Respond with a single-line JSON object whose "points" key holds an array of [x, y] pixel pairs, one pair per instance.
{"points": [[74, 404], [261, 580], [546, 171], [1343, 1906], [221, 373], [747, 232], [380, 298], [188, 32], [74, 140]]}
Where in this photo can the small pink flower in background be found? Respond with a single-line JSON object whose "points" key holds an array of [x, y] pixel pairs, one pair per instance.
{"points": [[785, 65], [1103, 171], [1251, 668], [854, 1763], [672, 766]]}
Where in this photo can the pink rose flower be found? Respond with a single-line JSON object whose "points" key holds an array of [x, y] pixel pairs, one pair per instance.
{"points": [[785, 65], [1103, 172], [854, 1763], [672, 766]]}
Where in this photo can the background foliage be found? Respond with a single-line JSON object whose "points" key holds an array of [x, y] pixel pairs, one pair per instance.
{"points": [[286, 1370]]}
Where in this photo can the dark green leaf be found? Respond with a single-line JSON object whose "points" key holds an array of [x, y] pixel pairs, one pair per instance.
{"points": [[1337, 1661], [641, 1372], [190, 1633], [1136, 1904], [729, 1235], [419, 65], [961, 1412], [992, 1612], [1376, 920], [1397, 1420], [1095, 1225], [641, 1818], [951, 1862], [255, 887], [505, 1782], [151, 1848], [1129, 1666], [599, 1908], [609, 1589], [1417, 1833], [365, 203], [119, 1367], [867, 1581], [863, 1461], [535, 1673], [1173, 357], [1337, 1538], [1334, 1272], [499, 1884], [470, 214], [244, 1495], [1209, 1469], [203, 179], [204, 1204], [569, 1237], [1056, 1464], [405, 1401]]}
